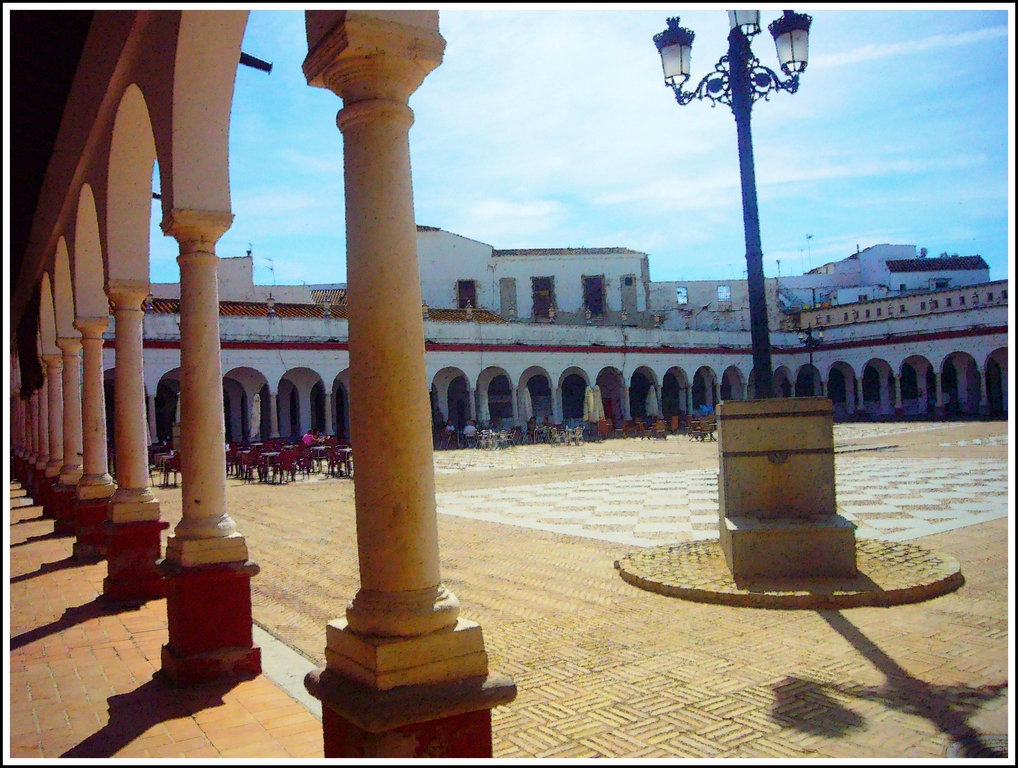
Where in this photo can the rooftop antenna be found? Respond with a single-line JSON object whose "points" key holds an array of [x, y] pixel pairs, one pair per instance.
{"points": [[809, 249]]}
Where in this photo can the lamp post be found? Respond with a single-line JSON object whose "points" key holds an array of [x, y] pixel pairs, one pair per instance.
{"points": [[738, 80], [811, 342]]}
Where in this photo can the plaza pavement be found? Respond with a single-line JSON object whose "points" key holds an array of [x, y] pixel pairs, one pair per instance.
{"points": [[528, 539]]}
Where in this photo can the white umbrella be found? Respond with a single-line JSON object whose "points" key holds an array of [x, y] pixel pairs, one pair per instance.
{"points": [[588, 404], [485, 415], [598, 409], [527, 404], [651, 402], [256, 417]]}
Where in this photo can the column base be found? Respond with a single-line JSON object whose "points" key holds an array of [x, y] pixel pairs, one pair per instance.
{"points": [[64, 505], [208, 610], [443, 720], [789, 547], [132, 554], [89, 516]]}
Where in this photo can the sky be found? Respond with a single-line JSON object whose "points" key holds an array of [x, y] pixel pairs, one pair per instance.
{"points": [[551, 127]]}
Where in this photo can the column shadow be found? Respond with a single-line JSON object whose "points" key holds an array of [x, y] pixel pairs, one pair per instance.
{"points": [[72, 616], [51, 567], [156, 701], [808, 706]]}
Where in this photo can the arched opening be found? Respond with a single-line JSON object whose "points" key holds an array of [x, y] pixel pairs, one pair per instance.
{"points": [[457, 408], [500, 401], [573, 389]]}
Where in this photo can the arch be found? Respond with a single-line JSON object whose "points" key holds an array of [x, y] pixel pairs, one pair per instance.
{"points": [[538, 383], [781, 382], [245, 407], [877, 396], [63, 293], [841, 390], [572, 387], [612, 385], [129, 189], [703, 389], [960, 384], [996, 382], [47, 318], [918, 396], [451, 390], [341, 404], [294, 401], [167, 399], [732, 387], [640, 384], [89, 269], [674, 392], [197, 176], [807, 381]]}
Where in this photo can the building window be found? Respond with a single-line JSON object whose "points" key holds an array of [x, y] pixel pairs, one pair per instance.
{"points": [[878, 311], [948, 301], [724, 293], [935, 304], [902, 309], [466, 294], [922, 305], [867, 313], [828, 318], [863, 297], [940, 282], [593, 295], [989, 297], [544, 296], [846, 317], [682, 295], [961, 300], [902, 288], [1003, 295]]}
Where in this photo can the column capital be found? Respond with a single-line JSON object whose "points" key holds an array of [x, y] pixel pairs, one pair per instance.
{"points": [[54, 361], [69, 345], [128, 294], [366, 56], [187, 225], [91, 327]]}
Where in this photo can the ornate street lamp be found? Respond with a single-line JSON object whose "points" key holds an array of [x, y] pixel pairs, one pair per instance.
{"points": [[738, 80], [811, 342]]}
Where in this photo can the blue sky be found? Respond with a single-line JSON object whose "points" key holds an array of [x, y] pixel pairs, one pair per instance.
{"points": [[548, 127]]}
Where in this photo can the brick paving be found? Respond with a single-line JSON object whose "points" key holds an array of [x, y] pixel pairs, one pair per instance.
{"points": [[603, 668]]}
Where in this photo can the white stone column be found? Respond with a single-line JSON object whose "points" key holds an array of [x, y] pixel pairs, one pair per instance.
{"points": [[556, 405], [896, 384], [374, 66], [329, 426], [206, 534], [71, 471], [273, 414], [860, 403], [627, 411], [54, 386], [984, 401], [254, 420], [95, 481], [516, 405], [471, 404], [939, 389], [42, 452], [133, 500]]}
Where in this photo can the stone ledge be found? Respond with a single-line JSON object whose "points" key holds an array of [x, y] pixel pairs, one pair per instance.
{"points": [[890, 573]]}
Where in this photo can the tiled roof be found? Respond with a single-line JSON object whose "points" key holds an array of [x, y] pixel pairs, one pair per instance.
{"points": [[561, 251], [316, 311], [941, 264]]}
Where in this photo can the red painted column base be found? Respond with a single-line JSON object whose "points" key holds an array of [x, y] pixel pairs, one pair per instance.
{"points": [[89, 516], [467, 735], [48, 497], [208, 610], [436, 720], [132, 554], [63, 496]]}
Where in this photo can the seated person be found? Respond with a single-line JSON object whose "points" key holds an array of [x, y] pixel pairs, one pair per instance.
{"points": [[470, 430]]}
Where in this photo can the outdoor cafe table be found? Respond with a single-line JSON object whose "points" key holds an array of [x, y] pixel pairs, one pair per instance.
{"points": [[270, 461], [319, 453]]}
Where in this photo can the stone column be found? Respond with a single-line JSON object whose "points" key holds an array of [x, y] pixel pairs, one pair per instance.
{"points": [[984, 401], [273, 414], [254, 421], [133, 528], [471, 404], [556, 405], [71, 471], [208, 576], [55, 409], [627, 412], [516, 405], [860, 403], [938, 381], [405, 675], [95, 485], [329, 427], [39, 490], [896, 384]]}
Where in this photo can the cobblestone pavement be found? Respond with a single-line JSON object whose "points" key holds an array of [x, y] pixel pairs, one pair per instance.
{"points": [[606, 669]]}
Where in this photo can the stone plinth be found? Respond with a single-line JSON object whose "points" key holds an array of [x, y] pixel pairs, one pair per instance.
{"points": [[776, 491], [90, 538], [132, 553]]}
